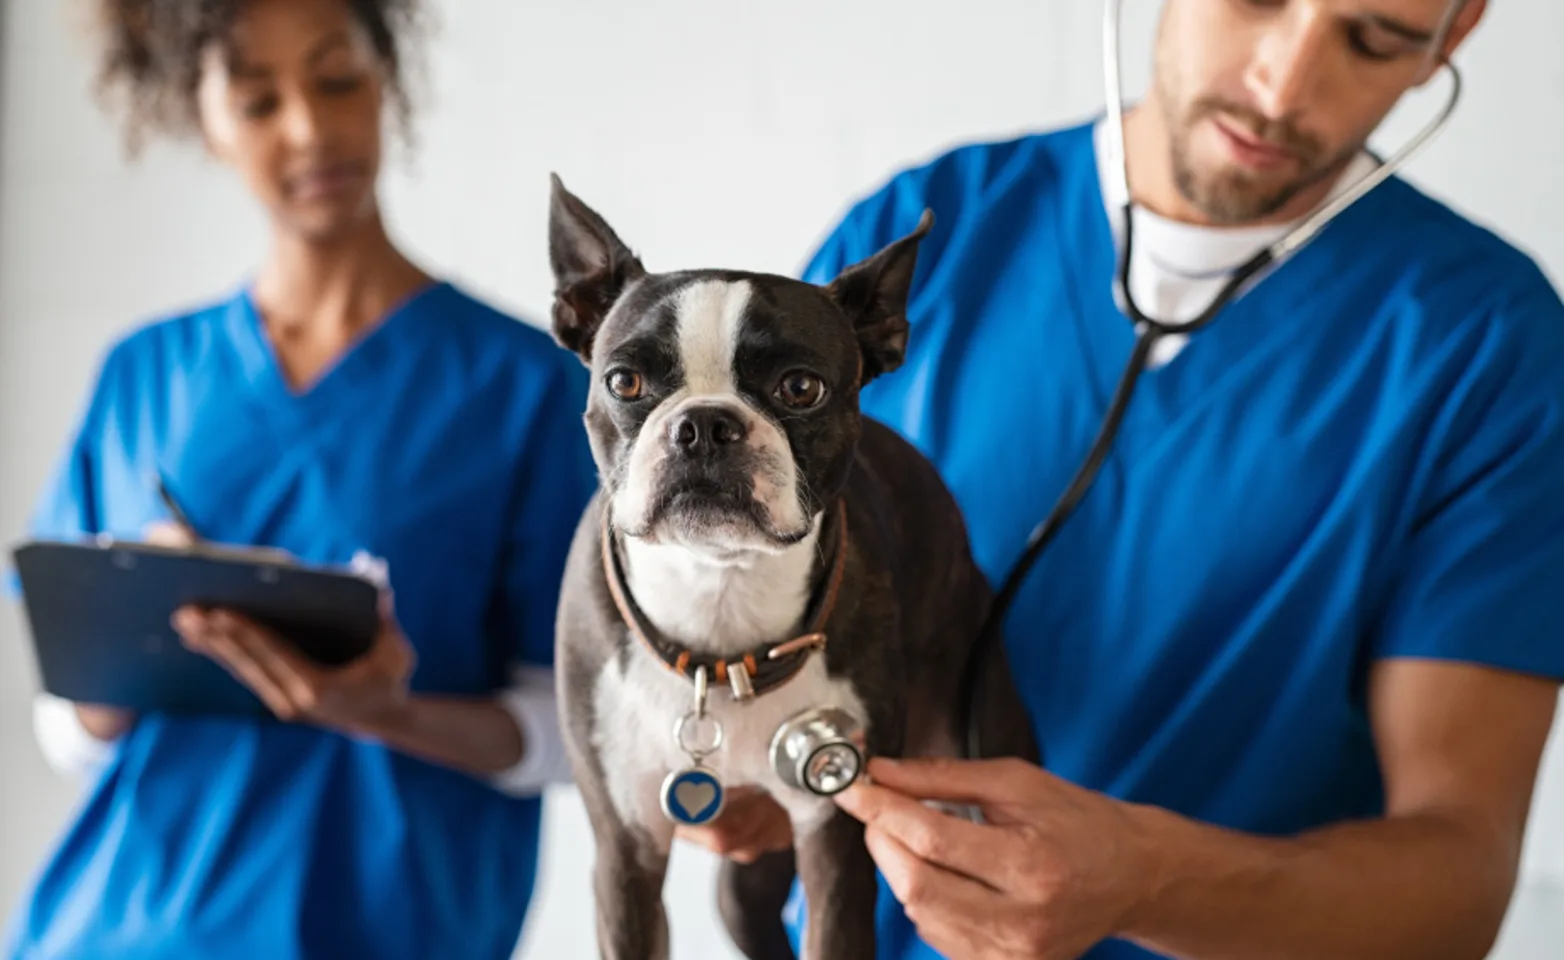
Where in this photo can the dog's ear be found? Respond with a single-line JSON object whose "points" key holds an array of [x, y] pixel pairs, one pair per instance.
{"points": [[591, 267], [873, 293]]}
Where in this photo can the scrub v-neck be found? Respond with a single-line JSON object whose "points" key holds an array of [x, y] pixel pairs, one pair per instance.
{"points": [[345, 377]]}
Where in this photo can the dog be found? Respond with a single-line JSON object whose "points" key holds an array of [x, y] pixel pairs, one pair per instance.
{"points": [[757, 548]]}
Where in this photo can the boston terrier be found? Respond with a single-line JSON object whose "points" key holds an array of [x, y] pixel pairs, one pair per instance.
{"points": [[767, 588]]}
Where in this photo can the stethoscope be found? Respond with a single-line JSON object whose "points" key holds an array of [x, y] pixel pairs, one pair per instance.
{"points": [[1150, 331]]}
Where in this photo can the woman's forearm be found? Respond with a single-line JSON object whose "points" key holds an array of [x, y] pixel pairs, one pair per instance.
{"points": [[474, 735], [76, 739]]}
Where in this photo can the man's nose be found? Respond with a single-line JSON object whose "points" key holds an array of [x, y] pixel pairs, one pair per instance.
{"points": [[1285, 70]]}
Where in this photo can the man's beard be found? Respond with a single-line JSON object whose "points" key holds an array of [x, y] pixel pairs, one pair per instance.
{"points": [[1233, 196]]}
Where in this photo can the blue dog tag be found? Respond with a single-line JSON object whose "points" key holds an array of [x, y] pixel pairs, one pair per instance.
{"points": [[692, 797]]}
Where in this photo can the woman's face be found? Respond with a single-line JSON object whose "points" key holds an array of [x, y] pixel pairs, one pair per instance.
{"points": [[293, 102]]}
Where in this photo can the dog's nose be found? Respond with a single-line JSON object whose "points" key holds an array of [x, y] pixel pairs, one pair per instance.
{"points": [[705, 430]]}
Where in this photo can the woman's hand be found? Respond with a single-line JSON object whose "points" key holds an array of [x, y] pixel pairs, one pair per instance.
{"points": [[104, 722], [108, 723], [366, 694]]}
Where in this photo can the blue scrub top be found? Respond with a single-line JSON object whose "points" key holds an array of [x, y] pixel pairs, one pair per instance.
{"points": [[1362, 458], [447, 442]]}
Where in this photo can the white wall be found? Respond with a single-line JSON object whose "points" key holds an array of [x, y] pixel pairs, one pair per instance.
{"points": [[710, 133]]}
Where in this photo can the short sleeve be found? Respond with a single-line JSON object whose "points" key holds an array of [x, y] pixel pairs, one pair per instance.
{"points": [[557, 479], [1481, 575], [68, 507], [873, 222], [843, 246]]}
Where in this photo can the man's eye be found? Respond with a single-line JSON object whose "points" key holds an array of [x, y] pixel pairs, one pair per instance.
{"points": [[1377, 43]]}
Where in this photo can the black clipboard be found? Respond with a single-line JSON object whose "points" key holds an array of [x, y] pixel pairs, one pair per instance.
{"points": [[99, 615]]}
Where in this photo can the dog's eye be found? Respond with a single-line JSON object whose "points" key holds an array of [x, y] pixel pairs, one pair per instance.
{"points": [[625, 384], [800, 390]]}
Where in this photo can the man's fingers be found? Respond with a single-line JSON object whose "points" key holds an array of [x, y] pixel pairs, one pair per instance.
{"points": [[990, 784], [752, 824], [773, 835], [970, 849], [735, 840], [949, 910], [740, 849]]}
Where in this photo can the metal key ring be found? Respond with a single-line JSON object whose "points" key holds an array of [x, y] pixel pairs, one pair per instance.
{"points": [[682, 726]]}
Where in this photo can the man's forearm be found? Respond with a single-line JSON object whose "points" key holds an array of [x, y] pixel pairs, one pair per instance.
{"points": [[1426, 887]]}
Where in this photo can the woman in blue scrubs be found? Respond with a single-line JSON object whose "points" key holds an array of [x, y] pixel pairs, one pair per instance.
{"points": [[341, 402]]}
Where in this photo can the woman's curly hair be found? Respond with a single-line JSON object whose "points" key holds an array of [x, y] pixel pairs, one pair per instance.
{"points": [[152, 51]]}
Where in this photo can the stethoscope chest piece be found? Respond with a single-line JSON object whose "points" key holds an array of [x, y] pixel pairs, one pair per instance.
{"points": [[820, 750]]}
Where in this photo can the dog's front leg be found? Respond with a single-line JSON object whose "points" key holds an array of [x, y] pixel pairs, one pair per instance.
{"points": [[751, 897], [631, 921], [632, 843], [839, 884]]}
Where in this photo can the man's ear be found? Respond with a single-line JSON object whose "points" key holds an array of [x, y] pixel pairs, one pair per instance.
{"points": [[873, 293], [1460, 20], [591, 267]]}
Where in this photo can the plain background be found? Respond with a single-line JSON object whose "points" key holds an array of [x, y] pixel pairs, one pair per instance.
{"points": [[709, 133]]}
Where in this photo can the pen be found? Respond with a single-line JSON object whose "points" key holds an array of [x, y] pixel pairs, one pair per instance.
{"points": [[178, 514]]}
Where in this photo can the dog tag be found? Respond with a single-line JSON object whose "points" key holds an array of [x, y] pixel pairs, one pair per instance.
{"points": [[694, 796]]}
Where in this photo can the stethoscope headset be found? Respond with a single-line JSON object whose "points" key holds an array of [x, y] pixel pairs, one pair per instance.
{"points": [[1149, 332]]}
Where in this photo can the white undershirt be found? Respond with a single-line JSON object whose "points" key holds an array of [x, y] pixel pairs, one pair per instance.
{"points": [[1177, 268]]}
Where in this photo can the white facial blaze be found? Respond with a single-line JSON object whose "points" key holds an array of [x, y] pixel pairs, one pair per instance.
{"points": [[709, 315]]}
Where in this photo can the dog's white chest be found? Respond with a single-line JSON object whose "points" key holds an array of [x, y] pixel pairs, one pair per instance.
{"points": [[638, 708]]}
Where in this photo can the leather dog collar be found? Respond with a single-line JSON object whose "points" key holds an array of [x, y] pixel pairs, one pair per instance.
{"points": [[755, 671]]}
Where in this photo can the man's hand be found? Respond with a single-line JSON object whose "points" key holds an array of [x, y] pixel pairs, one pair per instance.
{"points": [[1059, 868], [1055, 870], [751, 824], [362, 696]]}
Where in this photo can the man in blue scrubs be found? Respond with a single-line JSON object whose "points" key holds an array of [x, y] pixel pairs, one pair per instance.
{"points": [[1294, 659]]}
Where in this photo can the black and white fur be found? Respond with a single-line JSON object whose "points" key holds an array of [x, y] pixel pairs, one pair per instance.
{"points": [[720, 463]]}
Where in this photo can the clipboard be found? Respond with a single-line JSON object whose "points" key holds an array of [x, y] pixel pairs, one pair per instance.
{"points": [[99, 616]]}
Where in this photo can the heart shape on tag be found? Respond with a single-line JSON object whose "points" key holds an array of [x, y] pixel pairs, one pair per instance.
{"points": [[694, 798]]}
